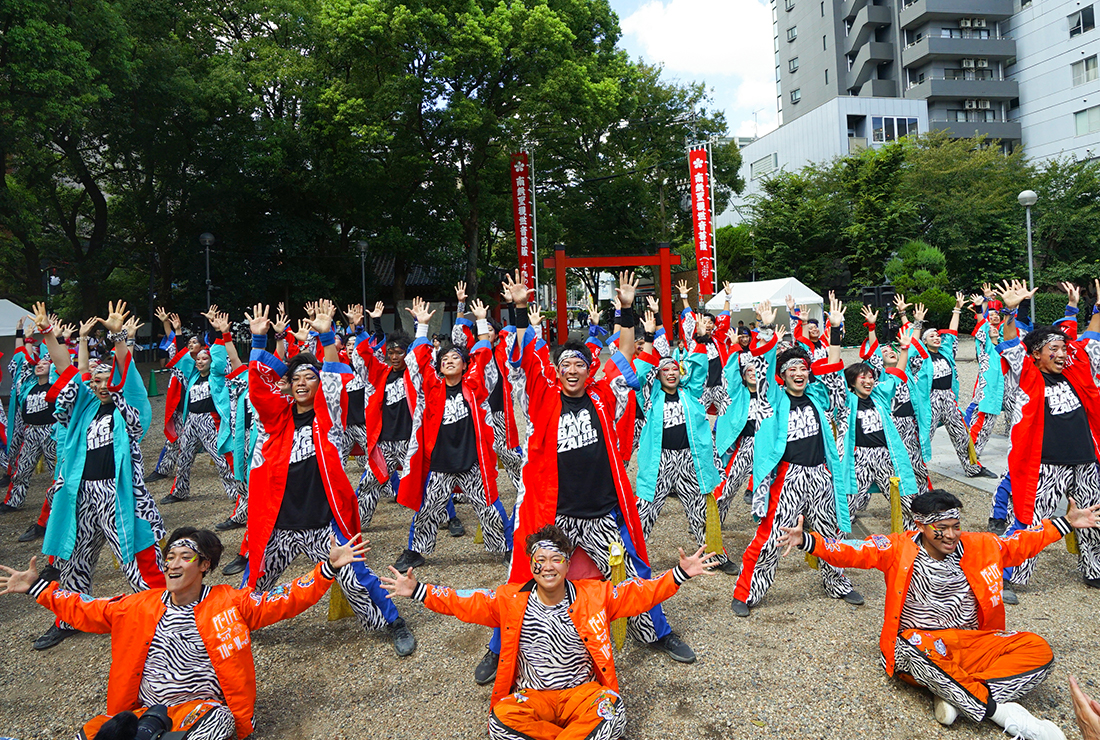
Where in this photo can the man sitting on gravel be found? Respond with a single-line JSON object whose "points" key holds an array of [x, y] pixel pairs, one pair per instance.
{"points": [[944, 625], [161, 639], [556, 676]]}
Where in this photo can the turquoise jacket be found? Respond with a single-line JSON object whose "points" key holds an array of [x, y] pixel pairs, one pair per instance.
{"points": [[771, 436], [882, 396], [244, 438], [219, 391], [993, 379], [134, 534], [874, 359], [695, 416], [922, 394], [729, 425]]}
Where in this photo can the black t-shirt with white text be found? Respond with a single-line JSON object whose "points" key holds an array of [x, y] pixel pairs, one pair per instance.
{"points": [[198, 398], [357, 414], [496, 396], [396, 419], [805, 443], [941, 371], [869, 429], [305, 503], [586, 486], [675, 435], [1066, 436], [749, 429], [99, 462], [455, 448], [37, 408]]}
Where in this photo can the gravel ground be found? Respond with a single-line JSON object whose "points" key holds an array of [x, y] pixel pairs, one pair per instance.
{"points": [[802, 664]]}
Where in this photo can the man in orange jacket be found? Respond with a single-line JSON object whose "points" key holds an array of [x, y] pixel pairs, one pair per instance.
{"points": [[944, 623], [186, 648], [556, 676]]}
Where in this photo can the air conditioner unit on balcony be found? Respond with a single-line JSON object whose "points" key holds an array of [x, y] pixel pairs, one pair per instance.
{"points": [[964, 23], [983, 63], [968, 63], [970, 104], [985, 104], [979, 23]]}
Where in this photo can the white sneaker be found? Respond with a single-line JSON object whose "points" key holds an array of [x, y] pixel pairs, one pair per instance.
{"points": [[946, 713], [1021, 723]]}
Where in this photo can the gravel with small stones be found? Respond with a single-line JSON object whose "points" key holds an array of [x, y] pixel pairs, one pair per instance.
{"points": [[802, 665]]}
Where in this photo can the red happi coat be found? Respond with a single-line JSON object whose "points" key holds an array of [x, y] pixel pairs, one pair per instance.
{"points": [[1026, 451], [540, 474], [464, 336], [267, 481], [376, 372], [428, 415]]}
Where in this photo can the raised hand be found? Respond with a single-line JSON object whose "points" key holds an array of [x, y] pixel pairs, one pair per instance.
{"points": [[116, 316], [460, 291], [19, 581], [683, 289], [652, 304], [134, 323], [516, 289], [960, 299], [836, 311], [402, 584], [698, 564], [67, 331], [905, 338], [420, 312], [649, 321], [323, 311], [355, 315], [765, 314], [1073, 292], [379, 308], [281, 320], [919, 312], [727, 288], [900, 304], [628, 284], [593, 313], [791, 537], [161, 314], [987, 290], [534, 315], [480, 310], [352, 551], [304, 327], [780, 332], [87, 326], [869, 316], [790, 303], [176, 323], [258, 323], [41, 318]]}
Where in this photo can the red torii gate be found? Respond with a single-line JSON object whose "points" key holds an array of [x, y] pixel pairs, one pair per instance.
{"points": [[664, 260]]}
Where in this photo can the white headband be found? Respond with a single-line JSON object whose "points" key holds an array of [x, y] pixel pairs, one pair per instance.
{"points": [[792, 363], [938, 516], [927, 333], [1048, 339], [569, 354], [548, 545], [189, 543]]}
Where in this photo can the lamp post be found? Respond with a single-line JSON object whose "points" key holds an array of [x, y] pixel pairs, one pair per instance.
{"points": [[1027, 200], [362, 244], [207, 239]]}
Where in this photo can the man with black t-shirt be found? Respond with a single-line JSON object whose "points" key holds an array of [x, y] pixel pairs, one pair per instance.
{"points": [[709, 333], [574, 476], [299, 494], [36, 439], [1055, 431], [452, 441], [795, 461]]}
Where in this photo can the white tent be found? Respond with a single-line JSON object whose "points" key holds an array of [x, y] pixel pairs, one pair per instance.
{"points": [[745, 296], [10, 313]]}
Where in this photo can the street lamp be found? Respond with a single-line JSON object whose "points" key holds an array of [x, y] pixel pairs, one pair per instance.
{"points": [[1027, 200], [207, 239], [362, 244]]}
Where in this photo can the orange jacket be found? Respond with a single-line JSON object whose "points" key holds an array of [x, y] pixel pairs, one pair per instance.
{"points": [[225, 619], [984, 558], [598, 603]]}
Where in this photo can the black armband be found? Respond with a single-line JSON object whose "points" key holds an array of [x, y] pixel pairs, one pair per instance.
{"points": [[626, 316], [376, 322], [522, 319], [836, 336], [650, 336]]}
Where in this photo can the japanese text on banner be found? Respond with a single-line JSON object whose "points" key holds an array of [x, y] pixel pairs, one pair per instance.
{"points": [[523, 212], [699, 171]]}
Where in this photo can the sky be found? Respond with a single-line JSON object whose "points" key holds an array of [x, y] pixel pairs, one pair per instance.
{"points": [[725, 43]]}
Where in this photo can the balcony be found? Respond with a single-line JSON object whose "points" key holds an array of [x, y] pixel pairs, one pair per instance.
{"points": [[867, 60], [930, 47], [935, 88], [866, 21], [851, 7], [918, 13], [879, 89], [1003, 130]]}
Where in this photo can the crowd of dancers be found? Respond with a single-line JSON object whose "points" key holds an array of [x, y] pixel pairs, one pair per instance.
{"points": [[704, 409]]}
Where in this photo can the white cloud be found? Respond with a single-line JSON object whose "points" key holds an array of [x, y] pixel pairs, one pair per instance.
{"points": [[727, 43]]}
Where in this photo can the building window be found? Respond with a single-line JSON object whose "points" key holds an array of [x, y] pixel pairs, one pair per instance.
{"points": [[764, 166], [790, 5], [891, 128], [972, 116], [796, 94], [1081, 21], [792, 65], [826, 77], [792, 33], [824, 42], [1084, 71], [1087, 121]]}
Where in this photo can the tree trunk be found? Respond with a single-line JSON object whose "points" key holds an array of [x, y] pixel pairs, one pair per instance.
{"points": [[471, 227]]}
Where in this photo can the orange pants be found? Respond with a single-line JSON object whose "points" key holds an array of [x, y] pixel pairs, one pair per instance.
{"points": [[184, 717], [973, 669], [587, 711]]}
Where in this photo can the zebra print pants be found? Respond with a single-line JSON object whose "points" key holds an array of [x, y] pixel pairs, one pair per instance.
{"points": [[737, 474], [1082, 483], [973, 669], [946, 413], [873, 466], [433, 511], [792, 490], [361, 587], [981, 429], [907, 428], [357, 434], [169, 456], [95, 526], [677, 471], [35, 442], [509, 458], [200, 431]]}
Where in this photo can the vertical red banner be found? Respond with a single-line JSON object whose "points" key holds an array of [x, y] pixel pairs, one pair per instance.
{"points": [[523, 212], [699, 170]]}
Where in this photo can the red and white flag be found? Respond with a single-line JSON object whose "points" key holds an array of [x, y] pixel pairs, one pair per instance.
{"points": [[523, 212], [699, 171]]}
